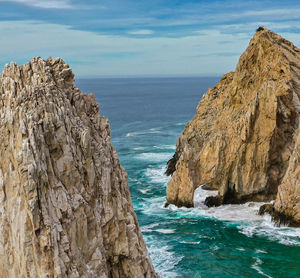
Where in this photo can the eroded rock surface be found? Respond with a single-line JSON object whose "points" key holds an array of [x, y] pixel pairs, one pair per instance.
{"points": [[287, 202], [65, 206], [242, 138]]}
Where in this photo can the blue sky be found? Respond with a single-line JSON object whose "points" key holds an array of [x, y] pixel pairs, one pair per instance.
{"points": [[140, 38]]}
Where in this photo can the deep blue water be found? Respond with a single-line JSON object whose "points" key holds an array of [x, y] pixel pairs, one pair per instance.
{"points": [[146, 117]]}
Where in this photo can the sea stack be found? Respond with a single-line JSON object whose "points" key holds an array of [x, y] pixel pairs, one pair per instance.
{"points": [[244, 139], [65, 206]]}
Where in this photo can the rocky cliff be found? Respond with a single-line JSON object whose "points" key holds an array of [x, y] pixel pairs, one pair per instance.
{"points": [[242, 140], [65, 206]]}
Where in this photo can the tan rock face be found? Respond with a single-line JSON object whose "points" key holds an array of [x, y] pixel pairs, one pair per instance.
{"points": [[288, 198], [241, 139], [65, 206]]}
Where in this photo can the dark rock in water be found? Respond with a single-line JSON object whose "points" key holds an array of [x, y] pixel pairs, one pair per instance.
{"points": [[213, 201], [266, 208], [171, 164], [278, 217]]}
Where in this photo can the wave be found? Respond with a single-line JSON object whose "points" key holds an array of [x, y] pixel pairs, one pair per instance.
{"points": [[244, 216], [145, 191], [149, 228], [251, 224], [157, 175], [130, 134], [144, 132], [139, 148], [234, 213], [164, 231], [266, 228], [165, 147], [256, 266], [164, 259], [154, 157]]}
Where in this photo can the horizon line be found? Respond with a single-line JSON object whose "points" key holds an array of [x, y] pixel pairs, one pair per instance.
{"points": [[148, 76]]}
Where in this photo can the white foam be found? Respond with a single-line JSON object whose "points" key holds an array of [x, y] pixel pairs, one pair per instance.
{"points": [[149, 228], [190, 242], [153, 206], [165, 231], [261, 251], [129, 134], [138, 148], [154, 130], [163, 258], [154, 157], [157, 175], [266, 228], [256, 266], [245, 216], [165, 147], [145, 191], [200, 195], [252, 223], [144, 132], [234, 213]]}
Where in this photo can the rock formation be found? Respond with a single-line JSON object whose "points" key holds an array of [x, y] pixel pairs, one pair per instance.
{"points": [[65, 206], [287, 202], [242, 140]]}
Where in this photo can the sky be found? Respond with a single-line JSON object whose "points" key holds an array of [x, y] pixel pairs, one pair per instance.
{"points": [[131, 38]]}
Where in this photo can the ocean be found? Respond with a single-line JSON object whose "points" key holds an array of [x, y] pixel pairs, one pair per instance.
{"points": [[146, 116]]}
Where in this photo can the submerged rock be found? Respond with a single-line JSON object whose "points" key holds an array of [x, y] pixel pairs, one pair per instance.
{"points": [[242, 139], [65, 206]]}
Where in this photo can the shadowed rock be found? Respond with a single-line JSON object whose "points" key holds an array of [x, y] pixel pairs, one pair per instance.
{"points": [[171, 164]]}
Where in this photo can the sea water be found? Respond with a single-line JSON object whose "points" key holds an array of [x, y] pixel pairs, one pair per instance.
{"points": [[146, 117]]}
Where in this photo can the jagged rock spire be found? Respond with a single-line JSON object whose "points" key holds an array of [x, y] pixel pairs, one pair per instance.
{"points": [[65, 206]]}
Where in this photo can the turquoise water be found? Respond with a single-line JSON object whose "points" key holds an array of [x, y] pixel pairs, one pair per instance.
{"points": [[146, 116]]}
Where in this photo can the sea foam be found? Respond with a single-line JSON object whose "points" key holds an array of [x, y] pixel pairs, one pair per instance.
{"points": [[154, 157], [157, 175]]}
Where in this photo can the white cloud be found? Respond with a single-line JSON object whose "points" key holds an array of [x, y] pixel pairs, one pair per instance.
{"points": [[274, 12], [46, 4], [92, 54], [141, 32]]}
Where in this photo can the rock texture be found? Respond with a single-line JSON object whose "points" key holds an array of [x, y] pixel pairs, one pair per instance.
{"points": [[287, 202], [242, 139], [65, 206]]}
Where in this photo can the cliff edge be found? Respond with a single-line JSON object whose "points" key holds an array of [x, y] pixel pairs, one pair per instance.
{"points": [[65, 206], [243, 139]]}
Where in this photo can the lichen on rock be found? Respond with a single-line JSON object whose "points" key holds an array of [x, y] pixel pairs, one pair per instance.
{"points": [[242, 139], [65, 205]]}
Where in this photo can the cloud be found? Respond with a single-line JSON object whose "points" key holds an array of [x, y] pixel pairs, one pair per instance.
{"points": [[274, 12], [95, 55], [141, 32], [158, 19], [91, 54], [45, 4]]}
